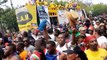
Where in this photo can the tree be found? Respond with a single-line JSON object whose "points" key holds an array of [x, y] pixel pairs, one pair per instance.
{"points": [[97, 9], [2, 1], [56, 2], [8, 19]]}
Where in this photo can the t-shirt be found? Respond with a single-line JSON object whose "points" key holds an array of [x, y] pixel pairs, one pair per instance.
{"points": [[101, 40], [65, 47], [76, 34], [23, 55], [30, 48], [61, 49], [35, 56], [101, 54], [52, 57]]}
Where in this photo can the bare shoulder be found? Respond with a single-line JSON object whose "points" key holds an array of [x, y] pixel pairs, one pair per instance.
{"points": [[16, 57], [62, 56]]}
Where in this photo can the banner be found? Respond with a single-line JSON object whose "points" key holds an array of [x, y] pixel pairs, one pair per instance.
{"points": [[53, 11], [43, 13], [61, 17], [26, 17]]}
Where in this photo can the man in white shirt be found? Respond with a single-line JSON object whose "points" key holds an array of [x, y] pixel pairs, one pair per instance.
{"points": [[97, 24], [62, 45], [102, 40], [28, 46], [83, 31]]}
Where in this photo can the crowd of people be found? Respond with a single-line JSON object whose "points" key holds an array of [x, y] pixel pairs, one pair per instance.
{"points": [[86, 41]]}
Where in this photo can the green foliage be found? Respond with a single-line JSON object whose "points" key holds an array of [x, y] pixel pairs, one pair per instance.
{"points": [[97, 9], [1, 12], [8, 19], [62, 3], [48, 1], [2, 1]]}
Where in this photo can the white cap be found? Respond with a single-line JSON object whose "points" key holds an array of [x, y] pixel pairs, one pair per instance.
{"points": [[82, 28]]}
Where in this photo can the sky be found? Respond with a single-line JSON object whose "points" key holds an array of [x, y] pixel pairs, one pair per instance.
{"points": [[17, 3], [98, 1]]}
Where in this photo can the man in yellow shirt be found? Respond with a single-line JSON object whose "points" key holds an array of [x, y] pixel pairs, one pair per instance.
{"points": [[22, 53], [95, 53]]}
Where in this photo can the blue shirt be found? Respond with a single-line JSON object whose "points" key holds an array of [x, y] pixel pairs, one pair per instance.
{"points": [[52, 57]]}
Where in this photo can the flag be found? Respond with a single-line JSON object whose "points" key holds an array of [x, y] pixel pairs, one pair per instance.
{"points": [[26, 17]]}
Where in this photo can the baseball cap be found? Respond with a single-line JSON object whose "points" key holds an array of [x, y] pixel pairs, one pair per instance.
{"points": [[69, 51], [82, 28], [88, 38]]}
